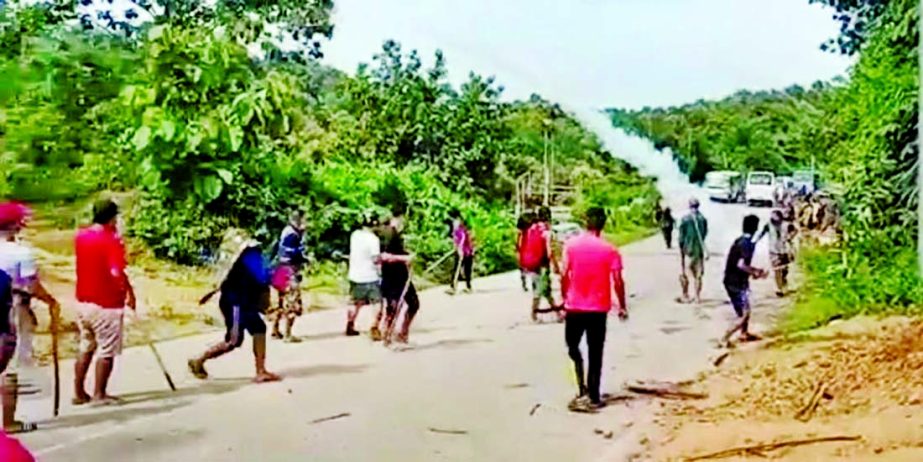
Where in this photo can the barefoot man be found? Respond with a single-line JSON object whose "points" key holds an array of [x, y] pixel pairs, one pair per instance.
{"points": [[693, 229], [737, 274], [103, 292], [244, 295], [592, 270]]}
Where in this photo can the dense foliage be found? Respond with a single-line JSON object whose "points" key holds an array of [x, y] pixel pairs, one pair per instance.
{"points": [[862, 132], [209, 135]]}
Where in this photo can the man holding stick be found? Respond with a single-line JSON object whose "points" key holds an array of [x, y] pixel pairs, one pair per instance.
{"points": [[244, 291], [20, 282], [396, 285]]}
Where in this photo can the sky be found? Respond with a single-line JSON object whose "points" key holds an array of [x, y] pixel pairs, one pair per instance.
{"points": [[602, 53]]}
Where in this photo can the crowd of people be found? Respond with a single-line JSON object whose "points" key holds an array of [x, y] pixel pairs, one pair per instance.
{"points": [[380, 274]]}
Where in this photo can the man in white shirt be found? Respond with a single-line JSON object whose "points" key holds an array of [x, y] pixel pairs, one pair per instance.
{"points": [[364, 255], [17, 264]]}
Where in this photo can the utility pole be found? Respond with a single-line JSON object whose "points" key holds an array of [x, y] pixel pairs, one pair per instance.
{"points": [[546, 199]]}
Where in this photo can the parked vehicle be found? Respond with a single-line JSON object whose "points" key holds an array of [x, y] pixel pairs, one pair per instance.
{"points": [[724, 186], [804, 182], [761, 188]]}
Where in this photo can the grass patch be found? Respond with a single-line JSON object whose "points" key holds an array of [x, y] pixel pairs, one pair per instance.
{"points": [[843, 283]]}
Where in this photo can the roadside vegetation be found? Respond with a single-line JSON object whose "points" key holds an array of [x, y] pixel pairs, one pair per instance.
{"points": [[860, 130], [205, 121]]}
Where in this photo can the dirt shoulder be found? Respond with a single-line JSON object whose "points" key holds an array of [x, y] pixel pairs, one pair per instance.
{"points": [[858, 378]]}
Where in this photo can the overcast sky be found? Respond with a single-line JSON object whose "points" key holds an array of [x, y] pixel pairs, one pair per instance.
{"points": [[600, 53]]}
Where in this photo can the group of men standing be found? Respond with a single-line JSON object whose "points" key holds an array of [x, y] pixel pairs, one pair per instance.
{"points": [[693, 231], [590, 272], [380, 274], [103, 292]]}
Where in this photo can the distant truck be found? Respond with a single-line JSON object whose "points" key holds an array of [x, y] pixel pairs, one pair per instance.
{"points": [[761, 188], [804, 182], [724, 186]]}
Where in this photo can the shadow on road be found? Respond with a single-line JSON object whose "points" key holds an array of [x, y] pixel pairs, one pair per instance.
{"points": [[119, 414], [324, 369], [447, 344]]}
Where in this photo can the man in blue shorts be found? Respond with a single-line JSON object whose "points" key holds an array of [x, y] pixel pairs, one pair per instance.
{"points": [[244, 296], [737, 273]]}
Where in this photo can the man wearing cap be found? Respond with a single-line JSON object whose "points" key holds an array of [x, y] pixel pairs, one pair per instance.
{"points": [[244, 288], [693, 229], [103, 292], [19, 282]]}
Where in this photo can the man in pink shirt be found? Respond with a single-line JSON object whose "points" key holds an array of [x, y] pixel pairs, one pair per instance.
{"points": [[592, 269]]}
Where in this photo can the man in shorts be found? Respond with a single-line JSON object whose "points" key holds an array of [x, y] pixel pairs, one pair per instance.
{"points": [[17, 320], [737, 274], [592, 272], [396, 286], [103, 292], [538, 241], [244, 295], [780, 249], [693, 229], [364, 254]]}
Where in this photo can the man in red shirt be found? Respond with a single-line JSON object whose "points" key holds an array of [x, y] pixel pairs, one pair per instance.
{"points": [[103, 291], [592, 269]]}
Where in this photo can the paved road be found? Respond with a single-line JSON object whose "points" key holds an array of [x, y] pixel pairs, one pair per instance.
{"points": [[476, 366]]}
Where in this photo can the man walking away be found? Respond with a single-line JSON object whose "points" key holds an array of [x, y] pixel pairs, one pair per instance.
{"points": [[464, 251], [244, 295], [17, 320], [364, 253], [523, 224], [666, 222], [538, 260], [291, 264], [396, 285], [737, 273], [780, 249], [693, 229], [103, 292], [592, 269]]}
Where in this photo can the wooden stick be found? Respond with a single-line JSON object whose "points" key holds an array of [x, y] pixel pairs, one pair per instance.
{"points": [[665, 392], [448, 432], [807, 411], [761, 448], [333, 417], [54, 358]]}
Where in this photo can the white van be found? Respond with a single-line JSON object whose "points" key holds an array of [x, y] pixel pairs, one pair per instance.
{"points": [[723, 185], [761, 187]]}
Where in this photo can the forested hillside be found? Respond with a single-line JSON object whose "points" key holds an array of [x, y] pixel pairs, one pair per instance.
{"points": [[208, 122], [862, 132]]}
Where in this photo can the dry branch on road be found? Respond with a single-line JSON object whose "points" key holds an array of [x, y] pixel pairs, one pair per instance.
{"points": [[761, 449]]}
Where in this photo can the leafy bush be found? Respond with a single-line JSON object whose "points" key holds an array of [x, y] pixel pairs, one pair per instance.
{"points": [[209, 138]]}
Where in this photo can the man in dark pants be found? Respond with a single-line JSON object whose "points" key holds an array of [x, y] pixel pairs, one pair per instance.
{"points": [[244, 295], [592, 269], [665, 219], [396, 286]]}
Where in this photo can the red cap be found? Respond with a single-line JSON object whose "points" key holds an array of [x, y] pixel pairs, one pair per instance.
{"points": [[13, 214]]}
